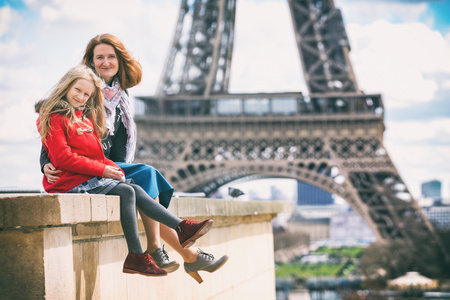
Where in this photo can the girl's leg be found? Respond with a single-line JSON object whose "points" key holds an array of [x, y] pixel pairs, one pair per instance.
{"points": [[128, 217], [136, 261]]}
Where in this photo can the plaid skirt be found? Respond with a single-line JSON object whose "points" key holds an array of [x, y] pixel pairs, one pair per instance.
{"points": [[97, 185]]}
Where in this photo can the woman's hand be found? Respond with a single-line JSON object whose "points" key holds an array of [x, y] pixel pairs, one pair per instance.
{"points": [[114, 173], [50, 172]]}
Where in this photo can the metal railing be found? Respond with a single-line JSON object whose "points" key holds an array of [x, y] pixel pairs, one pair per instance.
{"points": [[287, 104]]}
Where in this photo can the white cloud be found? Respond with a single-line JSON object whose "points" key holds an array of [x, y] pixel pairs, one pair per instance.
{"points": [[20, 164], [420, 132], [5, 19], [14, 54], [265, 56], [364, 12], [420, 150], [398, 60], [50, 14], [446, 84]]}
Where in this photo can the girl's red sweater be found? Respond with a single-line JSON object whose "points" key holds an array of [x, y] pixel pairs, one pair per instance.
{"points": [[75, 151]]}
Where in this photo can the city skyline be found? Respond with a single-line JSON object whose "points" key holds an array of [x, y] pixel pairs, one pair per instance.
{"points": [[400, 49]]}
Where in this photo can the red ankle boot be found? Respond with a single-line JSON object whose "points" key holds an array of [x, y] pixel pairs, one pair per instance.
{"points": [[142, 263], [189, 231]]}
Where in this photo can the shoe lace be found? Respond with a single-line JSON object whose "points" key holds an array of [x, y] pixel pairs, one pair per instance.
{"points": [[149, 259], [164, 254], [210, 256], [190, 221]]}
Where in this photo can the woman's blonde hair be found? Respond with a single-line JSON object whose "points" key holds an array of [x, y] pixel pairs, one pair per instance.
{"points": [[130, 70], [57, 102]]}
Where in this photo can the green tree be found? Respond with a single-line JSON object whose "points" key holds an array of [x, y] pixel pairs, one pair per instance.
{"points": [[391, 259]]}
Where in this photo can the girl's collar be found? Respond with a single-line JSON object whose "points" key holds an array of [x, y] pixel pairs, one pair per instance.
{"points": [[79, 113]]}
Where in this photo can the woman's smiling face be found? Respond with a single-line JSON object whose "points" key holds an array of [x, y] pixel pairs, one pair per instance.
{"points": [[105, 62]]}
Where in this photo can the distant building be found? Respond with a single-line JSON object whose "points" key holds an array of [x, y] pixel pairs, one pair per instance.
{"points": [[432, 189], [439, 216], [276, 193], [350, 227], [314, 258], [308, 194]]}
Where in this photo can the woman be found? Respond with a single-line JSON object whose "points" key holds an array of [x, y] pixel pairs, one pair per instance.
{"points": [[71, 123], [109, 58]]}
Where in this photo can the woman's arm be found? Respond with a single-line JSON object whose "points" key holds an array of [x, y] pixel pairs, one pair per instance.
{"points": [[43, 159], [48, 168]]}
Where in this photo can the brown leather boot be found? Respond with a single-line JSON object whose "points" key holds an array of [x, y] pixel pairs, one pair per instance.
{"points": [[142, 263], [189, 231]]}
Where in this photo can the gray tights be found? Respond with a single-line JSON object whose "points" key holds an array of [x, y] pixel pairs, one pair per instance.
{"points": [[132, 196]]}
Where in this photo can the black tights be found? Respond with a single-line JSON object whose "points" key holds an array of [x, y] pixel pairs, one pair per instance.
{"points": [[132, 196]]}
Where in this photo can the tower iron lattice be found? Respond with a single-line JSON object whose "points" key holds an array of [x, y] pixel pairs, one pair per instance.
{"points": [[202, 137]]}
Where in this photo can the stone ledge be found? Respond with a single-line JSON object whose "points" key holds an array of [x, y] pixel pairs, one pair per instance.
{"points": [[71, 246], [38, 210], [195, 207], [24, 210]]}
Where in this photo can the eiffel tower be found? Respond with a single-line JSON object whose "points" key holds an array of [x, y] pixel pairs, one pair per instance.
{"points": [[202, 137]]}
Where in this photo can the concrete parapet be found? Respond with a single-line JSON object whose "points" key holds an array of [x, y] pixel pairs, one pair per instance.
{"points": [[71, 246]]}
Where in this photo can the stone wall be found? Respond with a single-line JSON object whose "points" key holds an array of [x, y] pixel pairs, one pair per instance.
{"points": [[71, 246]]}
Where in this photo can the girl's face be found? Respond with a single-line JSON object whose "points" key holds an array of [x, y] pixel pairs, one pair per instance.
{"points": [[80, 92], [105, 62]]}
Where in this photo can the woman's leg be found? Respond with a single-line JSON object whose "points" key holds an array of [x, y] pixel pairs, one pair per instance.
{"points": [[160, 256], [150, 179], [152, 232], [188, 231], [193, 262], [170, 237]]}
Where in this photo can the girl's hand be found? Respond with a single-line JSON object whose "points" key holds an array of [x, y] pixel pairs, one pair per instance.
{"points": [[50, 172], [114, 173]]}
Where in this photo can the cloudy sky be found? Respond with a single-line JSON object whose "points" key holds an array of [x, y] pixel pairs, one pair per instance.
{"points": [[400, 49]]}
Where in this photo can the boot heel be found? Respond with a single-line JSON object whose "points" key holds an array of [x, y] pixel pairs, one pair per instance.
{"points": [[196, 276]]}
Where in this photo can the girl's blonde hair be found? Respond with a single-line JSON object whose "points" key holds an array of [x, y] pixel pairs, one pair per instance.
{"points": [[57, 102], [130, 70]]}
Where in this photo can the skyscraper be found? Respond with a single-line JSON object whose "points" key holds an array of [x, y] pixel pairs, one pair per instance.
{"points": [[432, 189], [310, 195]]}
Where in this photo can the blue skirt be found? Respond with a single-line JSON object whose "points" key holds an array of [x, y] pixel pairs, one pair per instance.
{"points": [[150, 180]]}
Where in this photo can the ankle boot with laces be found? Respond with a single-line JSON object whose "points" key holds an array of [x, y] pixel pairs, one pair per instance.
{"points": [[142, 263], [189, 231], [205, 262], [161, 259]]}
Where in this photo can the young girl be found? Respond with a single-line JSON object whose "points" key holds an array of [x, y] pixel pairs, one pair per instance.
{"points": [[71, 122]]}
